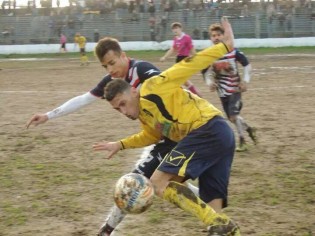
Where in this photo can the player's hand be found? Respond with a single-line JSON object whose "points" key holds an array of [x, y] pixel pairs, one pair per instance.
{"points": [[243, 87], [111, 147], [162, 59], [37, 119], [228, 37], [213, 87]]}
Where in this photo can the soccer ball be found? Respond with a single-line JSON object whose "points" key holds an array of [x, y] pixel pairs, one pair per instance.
{"points": [[133, 193]]}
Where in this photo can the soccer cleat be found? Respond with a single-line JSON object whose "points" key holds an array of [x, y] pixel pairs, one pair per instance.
{"points": [[105, 230], [230, 229], [252, 134], [242, 147]]}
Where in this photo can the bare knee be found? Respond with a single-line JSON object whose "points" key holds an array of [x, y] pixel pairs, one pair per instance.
{"points": [[216, 204], [159, 186]]}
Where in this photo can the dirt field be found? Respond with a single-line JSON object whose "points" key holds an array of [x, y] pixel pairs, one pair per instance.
{"points": [[52, 183]]}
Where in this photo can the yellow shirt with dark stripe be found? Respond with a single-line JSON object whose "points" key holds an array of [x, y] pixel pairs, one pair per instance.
{"points": [[167, 110], [81, 40]]}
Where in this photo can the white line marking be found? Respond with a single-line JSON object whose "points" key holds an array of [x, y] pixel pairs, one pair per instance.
{"points": [[81, 92]]}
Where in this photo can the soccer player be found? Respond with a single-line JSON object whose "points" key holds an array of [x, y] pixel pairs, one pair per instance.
{"points": [[205, 142], [81, 41], [183, 47], [135, 72], [223, 77]]}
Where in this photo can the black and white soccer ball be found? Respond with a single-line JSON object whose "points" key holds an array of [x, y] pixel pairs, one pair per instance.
{"points": [[133, 193]]}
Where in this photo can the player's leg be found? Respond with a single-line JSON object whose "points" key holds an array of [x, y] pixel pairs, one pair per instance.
{"points": [[196, 153], [83, 57], [233, 106], [146, 165]]}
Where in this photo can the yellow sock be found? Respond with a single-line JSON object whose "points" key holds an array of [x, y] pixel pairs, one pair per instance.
{"points": [[184, 198], [84, 58]]}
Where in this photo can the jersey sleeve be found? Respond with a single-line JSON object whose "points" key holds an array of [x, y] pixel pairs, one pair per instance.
{"points": [[146, 70], [241, 58], [144, 138], [189, 42], [179, 73], [98, 91]]}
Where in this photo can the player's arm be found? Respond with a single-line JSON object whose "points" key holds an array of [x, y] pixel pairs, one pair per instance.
{"points": [[208, 77], [242, 59], [145, 138], [167, 54], [70, 106], [192, 50], [179, 73]]}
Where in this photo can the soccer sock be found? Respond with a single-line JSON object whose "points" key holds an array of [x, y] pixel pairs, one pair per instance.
{"points": [[82, 59], [239, 126], [184, 198], [193, 188], [245, 125], [115, 217]]}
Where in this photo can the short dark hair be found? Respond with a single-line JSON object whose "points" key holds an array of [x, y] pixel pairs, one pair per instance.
{"points": [[106, 44], [176, 25], [216, 27], [115, 87]]}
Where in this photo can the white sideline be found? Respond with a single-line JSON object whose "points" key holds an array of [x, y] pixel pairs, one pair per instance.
{"points": [[150, 45], [78, 92]]}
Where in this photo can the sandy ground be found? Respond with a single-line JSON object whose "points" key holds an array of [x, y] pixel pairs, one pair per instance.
{"points": [[52, 183]]}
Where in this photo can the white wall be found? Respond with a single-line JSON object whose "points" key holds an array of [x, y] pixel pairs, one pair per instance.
{"points": [[137, 46]]}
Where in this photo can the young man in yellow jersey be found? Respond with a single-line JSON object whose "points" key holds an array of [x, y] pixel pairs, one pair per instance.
{"points": [[81, 41], [205, 142]]}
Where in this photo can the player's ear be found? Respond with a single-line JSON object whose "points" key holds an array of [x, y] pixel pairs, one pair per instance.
{"points": [[123, 54], [134, 92]]}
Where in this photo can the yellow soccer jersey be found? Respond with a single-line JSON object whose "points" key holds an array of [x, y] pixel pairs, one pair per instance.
{"points": [[167, 110], [81, 40]]}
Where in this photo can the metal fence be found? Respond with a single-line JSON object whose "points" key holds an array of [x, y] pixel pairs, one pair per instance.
{"points": [[126, 27]]}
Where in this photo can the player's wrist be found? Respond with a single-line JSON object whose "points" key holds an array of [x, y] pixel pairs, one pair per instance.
{"points": [[121, 145]]}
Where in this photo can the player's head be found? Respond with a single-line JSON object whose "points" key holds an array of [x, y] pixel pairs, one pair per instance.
{"points": [[216, 33], [112, 58], [123, 98], [177, 28], [78, 34]]}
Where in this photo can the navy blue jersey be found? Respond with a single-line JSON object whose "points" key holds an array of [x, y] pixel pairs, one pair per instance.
{"points": [[138, 72]]}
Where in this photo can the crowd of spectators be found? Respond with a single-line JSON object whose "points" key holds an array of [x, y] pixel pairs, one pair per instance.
{"points": [[157, 13]]}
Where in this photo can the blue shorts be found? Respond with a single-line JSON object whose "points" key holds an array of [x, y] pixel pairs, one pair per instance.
{"points": [[205, 153]]}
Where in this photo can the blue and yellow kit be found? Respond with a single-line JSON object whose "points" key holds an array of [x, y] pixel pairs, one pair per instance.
{"points": [[167, 110]]}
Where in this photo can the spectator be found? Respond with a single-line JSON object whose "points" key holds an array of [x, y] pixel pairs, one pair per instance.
{"points": [[63, 41], [96, 36], [151, 8]]}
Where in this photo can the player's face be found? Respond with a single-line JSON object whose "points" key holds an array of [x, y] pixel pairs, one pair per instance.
{"points": [[216, 37], [177, 31], [127, 103], [116, 65]]}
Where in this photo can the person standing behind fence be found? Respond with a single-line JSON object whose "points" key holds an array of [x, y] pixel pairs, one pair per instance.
{"points": [[81, 41], [63, 41], [183, 47]]}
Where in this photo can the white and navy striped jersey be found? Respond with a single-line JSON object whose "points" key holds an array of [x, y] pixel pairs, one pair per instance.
{"points": [[224, 72], [138, 72]]}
